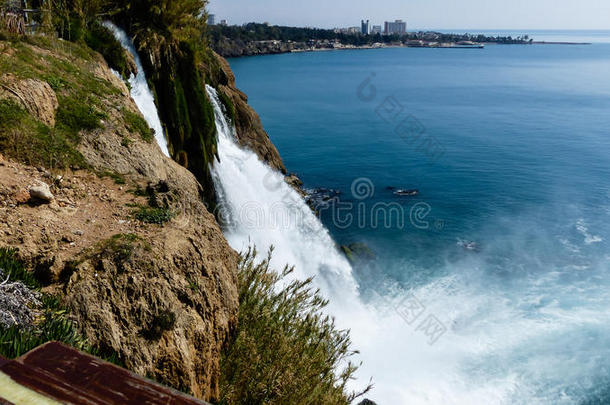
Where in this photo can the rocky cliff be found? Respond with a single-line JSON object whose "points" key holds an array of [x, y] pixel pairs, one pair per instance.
{"points": [[122, 236], [250, 131]]}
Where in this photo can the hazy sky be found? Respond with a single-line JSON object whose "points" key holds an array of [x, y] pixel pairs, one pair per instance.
{"points": [[449, 14]]}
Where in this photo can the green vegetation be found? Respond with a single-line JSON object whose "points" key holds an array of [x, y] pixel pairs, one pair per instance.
{"points": [[53, 324], [285, 350], [14, 270], [153, 215], [136, 123], [79, 92], [232, 40], [170, 35], [119, 249], [100, 39], [74, 116], [229, 107], [30, 141]]}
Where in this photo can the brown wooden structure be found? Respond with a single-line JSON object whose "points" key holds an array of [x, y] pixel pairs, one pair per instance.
{"points": [[54, 373]]}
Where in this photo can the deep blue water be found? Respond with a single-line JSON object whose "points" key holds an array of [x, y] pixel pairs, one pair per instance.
{"points": [[524, 136]]}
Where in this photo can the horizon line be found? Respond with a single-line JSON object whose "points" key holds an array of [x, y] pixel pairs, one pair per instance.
{"points": [[430, 29]]}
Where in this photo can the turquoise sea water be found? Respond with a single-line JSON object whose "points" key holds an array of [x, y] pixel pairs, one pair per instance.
{"points": [[506, 244]]}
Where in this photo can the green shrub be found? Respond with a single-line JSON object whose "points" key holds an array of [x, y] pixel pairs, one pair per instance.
{"points": [[137, 123], [15, 342], [285, 350], [55, 82]]}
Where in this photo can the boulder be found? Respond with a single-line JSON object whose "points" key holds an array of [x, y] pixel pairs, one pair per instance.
{"points": [[36, 96], [41, 192]]}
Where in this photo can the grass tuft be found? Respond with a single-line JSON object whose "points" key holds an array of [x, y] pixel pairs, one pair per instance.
{"points": [[153, 215], [136, 123], [74, 116], [14, 269]]}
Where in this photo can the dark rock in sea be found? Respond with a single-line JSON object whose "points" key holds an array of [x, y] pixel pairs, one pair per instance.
{"points": [[320, 197], [358, 252], [469, 245], [406, 192], [367, 401], [391, 188]]}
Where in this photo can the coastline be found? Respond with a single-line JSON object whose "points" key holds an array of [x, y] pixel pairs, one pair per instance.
{"points": [[255, 49]]}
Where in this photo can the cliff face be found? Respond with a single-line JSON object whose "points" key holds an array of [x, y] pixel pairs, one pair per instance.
{"points": [[125, 242], [250, 131]]}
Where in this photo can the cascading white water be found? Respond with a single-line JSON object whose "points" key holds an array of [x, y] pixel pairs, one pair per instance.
{"points": [[262, 210], [140, 92]]}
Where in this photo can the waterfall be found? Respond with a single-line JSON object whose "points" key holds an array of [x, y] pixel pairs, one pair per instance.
{"points": [[258, 208], [140, 92], [265, 211]]}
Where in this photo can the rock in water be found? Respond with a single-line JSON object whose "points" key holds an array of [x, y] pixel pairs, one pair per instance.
{"points": [[41, 192]]}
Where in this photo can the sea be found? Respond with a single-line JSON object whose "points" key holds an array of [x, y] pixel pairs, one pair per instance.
{"points": [[488, 280]]}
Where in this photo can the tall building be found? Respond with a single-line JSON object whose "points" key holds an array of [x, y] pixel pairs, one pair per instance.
{"points": [[376, 29], [397, 27], [211, 19], [223, 22], [364, 27]]}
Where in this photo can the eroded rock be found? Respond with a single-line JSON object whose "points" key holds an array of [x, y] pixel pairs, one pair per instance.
{"points": [[36, 96]]}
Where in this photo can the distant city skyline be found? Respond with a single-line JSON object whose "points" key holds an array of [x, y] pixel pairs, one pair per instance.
{"points": [[421, 14]]}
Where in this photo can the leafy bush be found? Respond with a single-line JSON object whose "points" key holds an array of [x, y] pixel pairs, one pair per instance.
{"points": [[15, 342], [136, 123], [285, 350]]}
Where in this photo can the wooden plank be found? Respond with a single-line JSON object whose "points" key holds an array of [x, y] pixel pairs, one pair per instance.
{"points": [[72, 377]]}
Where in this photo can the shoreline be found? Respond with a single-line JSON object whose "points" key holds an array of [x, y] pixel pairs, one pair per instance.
{"points": [[430, 45]]}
